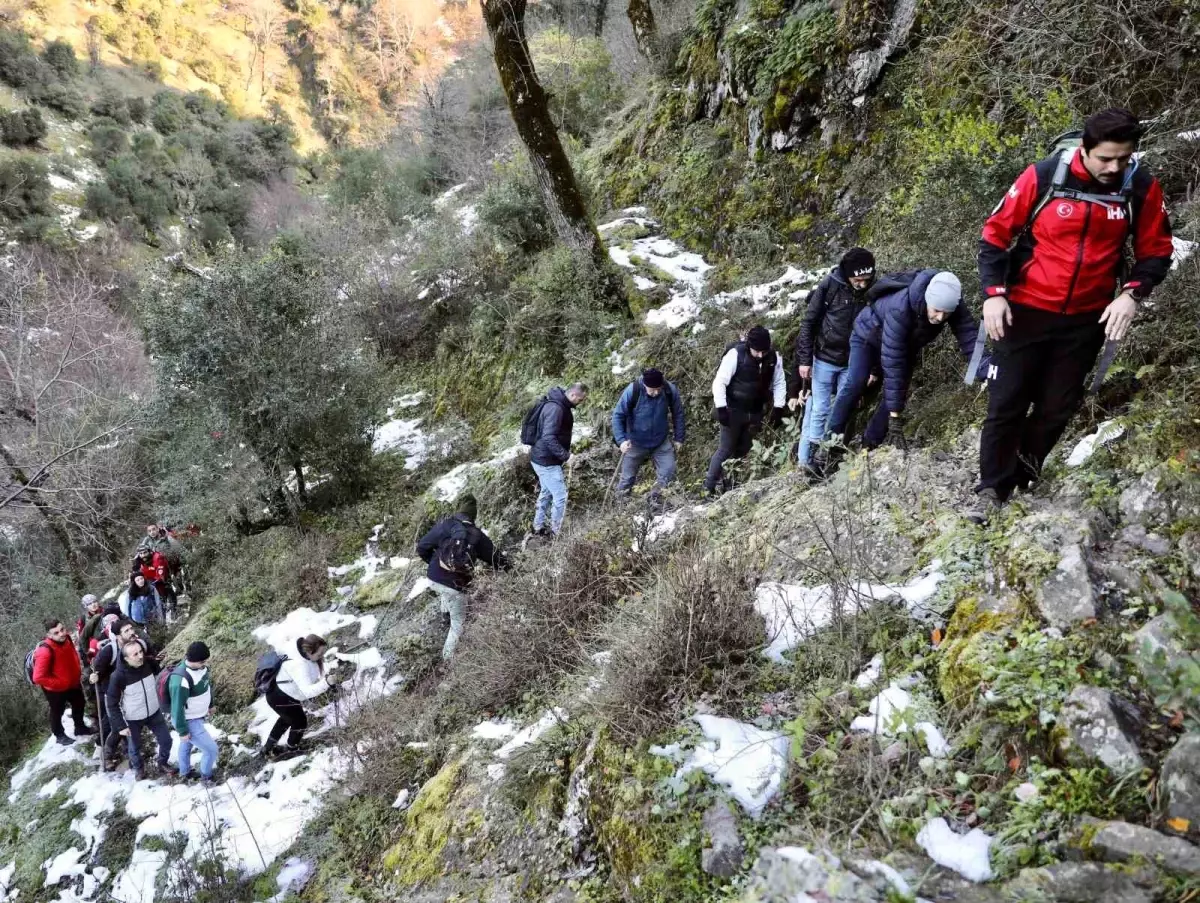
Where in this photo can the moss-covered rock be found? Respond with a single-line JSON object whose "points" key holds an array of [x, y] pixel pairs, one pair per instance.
{"points": [[969, 636], [429, 824]]}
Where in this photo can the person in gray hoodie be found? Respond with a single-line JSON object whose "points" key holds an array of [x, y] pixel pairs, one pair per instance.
{"points": [[132, 702]]}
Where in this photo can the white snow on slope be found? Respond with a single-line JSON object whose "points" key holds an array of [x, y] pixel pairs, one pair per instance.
{"points": [[451, 484], [967, 854], [794, 613], [1108, 431], [777, 298], [870, 674], [1181, 250], [493, 730], [886, 717], [749, 762]]}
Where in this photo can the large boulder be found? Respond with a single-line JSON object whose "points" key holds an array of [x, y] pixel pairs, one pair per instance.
{"points": [[1118, 841], [1100, 727], [1161, 496], [1081, 882], [1159, 634], [787, 874], [1066, 597], [1180, 779], [723, 854]]}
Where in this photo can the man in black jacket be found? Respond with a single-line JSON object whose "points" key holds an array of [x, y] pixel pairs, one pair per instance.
{"points": [[451, 550], [550, 452], [823, 345], [97, 674], [132, 701]]}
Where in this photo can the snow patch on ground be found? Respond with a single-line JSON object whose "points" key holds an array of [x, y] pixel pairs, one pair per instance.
{"points": [[282, 636], [1181, 250], [870, 674], [660, 525], [443, 199], [1106, 432], [451, 484], [748, 761], [493, 730], [887, 717], [404, 435], [136, 883], [967, 854], [292, 878], [794, 613], [533, 733], [777, 298]]}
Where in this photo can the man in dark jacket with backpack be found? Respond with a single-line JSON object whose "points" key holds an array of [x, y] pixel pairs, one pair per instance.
{"points": [[547, 430], [98, 673], [823, 345], [1050, 261], [908, 311], [648, 423], [451, 550], [57, 670], [133, 704], [749, 379]]}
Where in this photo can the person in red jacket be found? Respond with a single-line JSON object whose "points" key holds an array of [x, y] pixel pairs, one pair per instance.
{"points": [[1050, 262], [56, 669]]}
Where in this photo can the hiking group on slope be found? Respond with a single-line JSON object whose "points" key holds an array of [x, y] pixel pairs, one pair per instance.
{"points": [[1056, 290]]}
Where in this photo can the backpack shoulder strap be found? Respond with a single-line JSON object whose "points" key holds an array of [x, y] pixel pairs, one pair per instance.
{"points": [[1061, 169]]}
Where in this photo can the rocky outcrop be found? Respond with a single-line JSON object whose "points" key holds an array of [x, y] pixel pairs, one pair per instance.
{"points": [[1100, 728], [723, 854], [1160, 497], [1066, 597], [1119, 841], [793, 873], [1081, 882], [1180, 780], [1157, 635]]}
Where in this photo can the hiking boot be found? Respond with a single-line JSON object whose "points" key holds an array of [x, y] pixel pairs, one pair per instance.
{"points": [[112, 764], [139, 773], [986, 503], [209, 781], [64, 740], [288, 751], [266, 751]]}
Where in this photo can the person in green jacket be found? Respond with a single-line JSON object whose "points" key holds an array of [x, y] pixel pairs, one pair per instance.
{"points": [[190, 686]]}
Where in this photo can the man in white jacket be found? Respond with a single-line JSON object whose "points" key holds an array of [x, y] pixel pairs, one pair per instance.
{"points": [[751, 375], [300, 678]]}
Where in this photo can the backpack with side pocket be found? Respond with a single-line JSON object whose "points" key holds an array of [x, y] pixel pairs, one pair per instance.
{"points": [[163, 683], [454, 552], [531, 426], [29, 656], [265, 675]]}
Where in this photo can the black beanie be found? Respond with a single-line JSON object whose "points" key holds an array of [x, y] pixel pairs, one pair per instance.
{"points": [[652, 378], [468, 507], [758, 339], [197, 652], [857, 262]]}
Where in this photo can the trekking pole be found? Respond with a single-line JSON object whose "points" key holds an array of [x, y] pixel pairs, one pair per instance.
{"points": [[103, 764], [613, 481], [1106, 359]]}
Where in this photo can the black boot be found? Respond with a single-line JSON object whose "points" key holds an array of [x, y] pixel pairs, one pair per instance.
{"points": [[268, 749]]}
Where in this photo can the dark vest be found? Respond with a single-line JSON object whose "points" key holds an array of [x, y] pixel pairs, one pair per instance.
{"points": [[751, 384]]}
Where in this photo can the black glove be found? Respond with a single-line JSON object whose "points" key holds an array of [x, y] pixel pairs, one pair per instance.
{"points": [[777, 415], [723, 415], [896, 433]]}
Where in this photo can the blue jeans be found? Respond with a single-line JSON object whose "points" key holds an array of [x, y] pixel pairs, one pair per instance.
{"points": [[554, 490], [864, 358], [157, 726], [826, 379], [203, 741], [664, 466]]}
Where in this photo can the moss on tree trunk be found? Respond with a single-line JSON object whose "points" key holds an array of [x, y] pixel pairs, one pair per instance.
{"points": [[527, 101], [645, 31]]}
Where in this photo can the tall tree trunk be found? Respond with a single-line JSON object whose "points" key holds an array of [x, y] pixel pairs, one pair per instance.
{"points": [[74, 562], [601, 15], [527, 102], [645, 31]]}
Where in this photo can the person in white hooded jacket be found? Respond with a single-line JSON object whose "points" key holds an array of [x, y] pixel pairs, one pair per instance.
{"points": [[300, 678]]}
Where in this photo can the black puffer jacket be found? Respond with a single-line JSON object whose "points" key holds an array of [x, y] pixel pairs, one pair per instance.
{"points": [[557, 422], [828, 322]]}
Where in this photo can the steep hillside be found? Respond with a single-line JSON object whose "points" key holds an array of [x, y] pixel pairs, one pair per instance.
{"points": [[838, 691]]}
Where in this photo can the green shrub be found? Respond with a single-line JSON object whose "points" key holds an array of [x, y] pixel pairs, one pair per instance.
{"points": [[213, 231], [21, 128], [101, 202], [19, 66], [24, 187], [167, 112], [577, 73], [109, 139], [512, 208], [138, 109], [371, 179], [111, 105], [60, 56]]}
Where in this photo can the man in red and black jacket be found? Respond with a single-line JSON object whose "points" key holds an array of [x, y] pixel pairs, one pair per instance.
{"points": [[56, 669], [1051, 262]]}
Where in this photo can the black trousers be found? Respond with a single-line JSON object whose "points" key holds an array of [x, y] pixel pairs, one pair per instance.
{"points": [[291, 717], [1035, 386], [737, 437], [58, 706], [111, 739]]}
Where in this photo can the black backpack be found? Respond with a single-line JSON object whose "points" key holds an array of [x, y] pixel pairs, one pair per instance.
{"points": [[454, 552], [267, 671], [531, 427]]}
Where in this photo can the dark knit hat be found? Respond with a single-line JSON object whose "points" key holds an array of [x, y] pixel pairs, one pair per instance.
{"points": [[197, 652], [758, 339], [468, 507], [652, 378], [857, 262]]}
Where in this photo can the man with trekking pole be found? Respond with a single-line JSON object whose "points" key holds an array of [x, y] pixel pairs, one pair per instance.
{"points": [[647, 423], [1052, 268]]}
